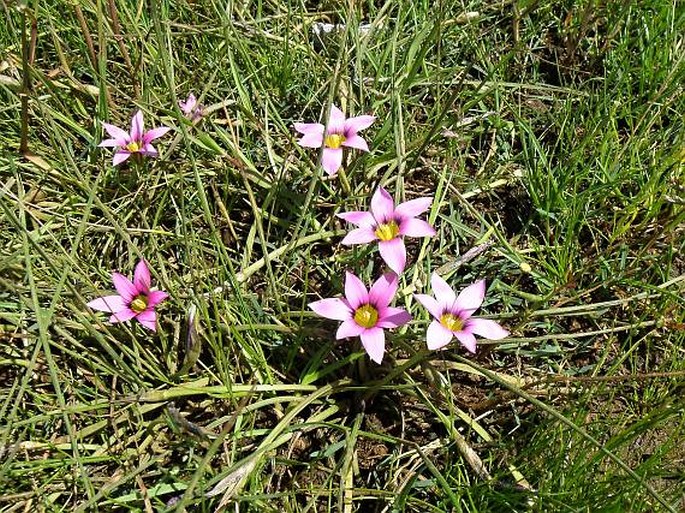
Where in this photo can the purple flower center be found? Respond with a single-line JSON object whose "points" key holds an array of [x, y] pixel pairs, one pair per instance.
{"points": [[387, 231], [366, 316], [334, 141], [451, 322], [133, 146], [139, 303]]}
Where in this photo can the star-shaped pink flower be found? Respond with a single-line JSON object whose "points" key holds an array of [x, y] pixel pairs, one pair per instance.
{"points": [[138, 141], [388, 224], [365, 314], [452, 315], [134, 300], [339, 132]]}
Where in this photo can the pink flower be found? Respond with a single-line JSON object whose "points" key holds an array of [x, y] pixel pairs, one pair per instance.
{"points": [[453, 315], [387, 224], [135, 299], [339, 132], [191, 108], [365, 313], [138, 141]]}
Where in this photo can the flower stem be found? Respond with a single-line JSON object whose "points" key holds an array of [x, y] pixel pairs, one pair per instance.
{"points": [[344, 182]]}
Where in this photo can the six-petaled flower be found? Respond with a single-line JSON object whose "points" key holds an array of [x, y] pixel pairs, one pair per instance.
{"points": [[138, 141], [388, 224], [134, 300], [452, 315], [365, 314], [339, 132]]}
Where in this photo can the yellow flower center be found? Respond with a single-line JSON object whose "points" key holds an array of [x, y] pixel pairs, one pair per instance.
{"points": [[133, 146], [139, 303], [387, 231], [366, 316], [451, 322], [334, 141]]}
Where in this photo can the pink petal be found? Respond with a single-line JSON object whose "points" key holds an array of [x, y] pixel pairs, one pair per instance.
{"points": [[355, 291], [332, 308], [467, 340], [437, 336], [357, 123], [122, 315], [393, 253], [141, 278], [336, 121], [382, 206], [137, 126], [309, 128], [349, 329], [198, 113], [373, 341], [156, 297], [188, 105], [485, 328], [332, 160], [413, 207], [153, 134], [430, 304], [383, 290], [312, 140], [107, 304], [124, 287], [149, 151], [443, 292], [416, 228], [359, 236], [356, 142], [119, 157], [115, 132], [470, 299], [112, 143], [393, 317], [148, 318], [364, 219]]}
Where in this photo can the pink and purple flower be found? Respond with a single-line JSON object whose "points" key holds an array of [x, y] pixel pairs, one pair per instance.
{"points": [[138, 141], [134, 300], [339, 132], [365, 314], [191, 108], [453, 315], [388, 224]]}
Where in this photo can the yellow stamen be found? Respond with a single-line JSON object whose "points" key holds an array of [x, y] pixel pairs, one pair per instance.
{"points": [[451, 322], [139, 303], [133, 147], [366, 316], [334, 141], [387, 231]]}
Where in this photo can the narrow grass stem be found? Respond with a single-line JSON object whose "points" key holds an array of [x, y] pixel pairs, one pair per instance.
{"points": [[561, 418]]}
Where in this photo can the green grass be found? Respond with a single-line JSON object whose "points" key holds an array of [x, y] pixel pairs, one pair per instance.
{"points": [[550, 131]]}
